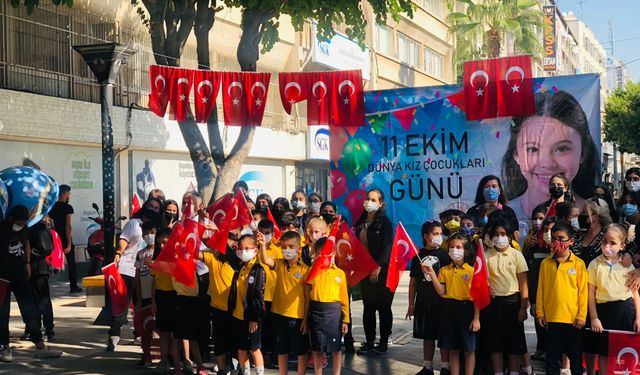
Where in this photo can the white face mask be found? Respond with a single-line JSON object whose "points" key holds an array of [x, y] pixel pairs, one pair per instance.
{"points": [[17, 228], [575, 223], [315, 206], [546, 237], [633, 186], [436, 241], [609, 252], [500, 242], [289, 254], [456, 254], [246, 255], [254, 225], [268, 237], [371, 206], [246, 231], [299, 205], [538, 223]]}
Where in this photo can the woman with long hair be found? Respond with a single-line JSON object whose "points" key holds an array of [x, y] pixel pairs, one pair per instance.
{"points": [[490, 192]]}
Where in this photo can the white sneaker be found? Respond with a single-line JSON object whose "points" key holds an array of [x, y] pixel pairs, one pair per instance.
{"points": [[5, 354], [47, 353], [137, 341], [565, 371]]}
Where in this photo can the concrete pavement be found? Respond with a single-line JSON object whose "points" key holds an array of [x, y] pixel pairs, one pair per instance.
{"points": [[84, 344]]}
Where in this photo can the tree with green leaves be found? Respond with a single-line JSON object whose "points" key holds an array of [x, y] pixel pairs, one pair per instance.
{"points": [[622, 118], [481, 29], [171, 21]]}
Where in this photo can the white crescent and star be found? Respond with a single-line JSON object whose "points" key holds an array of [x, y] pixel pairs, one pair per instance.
{"points": [[288, 86], [479, 73], [344, 242], [235, 207], [347, 83], [201, 85], [480, 265], [404, 244], [264, 91], [191, 236], [218, 212], [115, 284], [186, 82], [160, 77], [512, 69], [315, 86], [232, 85], [628, 350]]}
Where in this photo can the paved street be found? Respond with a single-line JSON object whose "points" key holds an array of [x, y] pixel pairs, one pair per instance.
{"points": [[84, 343]]}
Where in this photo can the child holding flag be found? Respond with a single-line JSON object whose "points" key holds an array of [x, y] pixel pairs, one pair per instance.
{"points": [[289, 300], [328, 306], [453, 283], [144, 288], [425, 305], [266, 232]]}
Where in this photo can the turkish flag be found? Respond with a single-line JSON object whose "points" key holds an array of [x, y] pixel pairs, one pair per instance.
{"points": [[207, 84], [319, 89], [4, 287], [117, 289], [136, 204], [515, 86], [480, 97], [551, 212], [347, 98], [239, 215], [277, 232], [623, 353], [56, 258], [402, 251], [181, 84], [144, 323], [187, 253], [160, 78], [480, 282], [218, 209], [166, 260], [244, 96], [351, 256], [293, 88], [323, 260]]}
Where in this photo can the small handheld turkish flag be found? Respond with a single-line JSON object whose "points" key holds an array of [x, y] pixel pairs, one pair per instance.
{"points": [[480, 282], [347, 98], [187, 253], [160, 79], [293, 89], [277, 232], [351, 256], [207, 84], [515, 86], [402, 252], [319, 89], [117, 289], [480, 98], [218, 209], [181, 84], [56, 258], [323, 261], [623, 353]]}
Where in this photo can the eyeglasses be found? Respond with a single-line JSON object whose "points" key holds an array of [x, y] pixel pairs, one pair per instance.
{"points": [[559, 240]]}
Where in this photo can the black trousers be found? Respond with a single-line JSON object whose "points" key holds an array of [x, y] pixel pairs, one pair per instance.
{"points": [[204, 317], [377, 298], [42, 298], [563, 338], [16, 274], [71, 267], [118, 321]]}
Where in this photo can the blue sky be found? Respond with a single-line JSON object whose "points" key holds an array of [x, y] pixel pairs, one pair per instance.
{"points": [[596, 14]]}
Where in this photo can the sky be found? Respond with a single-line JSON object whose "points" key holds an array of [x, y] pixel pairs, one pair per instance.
{"points": [[596, 14]]}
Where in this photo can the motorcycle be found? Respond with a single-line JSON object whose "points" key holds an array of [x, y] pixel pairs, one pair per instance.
{"points": [[95, 241]]}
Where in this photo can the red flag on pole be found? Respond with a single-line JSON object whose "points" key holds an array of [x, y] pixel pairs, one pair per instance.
{"points": [[480, 97], [347, 96], [623, 353], [351, 256], [480, 282], [319, 86], [218, 209], [402, 251], [239, 214], [323, 260], [180, 91], [166, 260], [136, 204], [244, 95], [56, 258], [293, 89], [144, 322], [187, 253], [551, 212], [117, 289], [207, 84], [277, 232], [160, 79], [515, 86], [4, 287]]}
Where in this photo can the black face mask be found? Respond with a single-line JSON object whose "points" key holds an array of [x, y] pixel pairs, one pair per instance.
{"points": [[170, 217], [556, 192], [584, 222], [599, 196], [328, 218]]}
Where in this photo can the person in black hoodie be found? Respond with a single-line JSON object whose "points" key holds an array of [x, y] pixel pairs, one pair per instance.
{"points": [[246, 304], [374, 230]]}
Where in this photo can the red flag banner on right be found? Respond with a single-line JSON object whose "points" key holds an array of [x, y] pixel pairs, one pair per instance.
{"points": [[480, 282], [515, 86], [623, 353], [480, 98], [402, 251], [117, 289]]}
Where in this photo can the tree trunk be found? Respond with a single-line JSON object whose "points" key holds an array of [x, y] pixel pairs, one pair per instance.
{"points": [[493, 43]]}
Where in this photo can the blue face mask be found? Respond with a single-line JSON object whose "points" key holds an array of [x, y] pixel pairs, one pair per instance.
{"points": [[469, 231], [491, 194], [629, 209], [483, 221]]}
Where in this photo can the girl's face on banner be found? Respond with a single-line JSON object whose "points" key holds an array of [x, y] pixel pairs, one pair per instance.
{"points": [[546, 146]]}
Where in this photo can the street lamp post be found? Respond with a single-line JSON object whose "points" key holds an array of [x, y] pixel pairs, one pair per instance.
{"points": [[105, 60]]}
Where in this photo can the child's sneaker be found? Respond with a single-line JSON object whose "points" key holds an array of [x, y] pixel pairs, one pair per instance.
{"points": [[381, 348], [5, 354], [445, 371], [47, 353], [112, 342], [365, 348], [425, 371]]}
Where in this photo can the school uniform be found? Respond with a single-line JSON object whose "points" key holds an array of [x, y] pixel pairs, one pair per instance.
{"points": [[428, 303], [288, 307], [165, 302], [614, 302], [561, 300], [246, 303], [457, 308], [269, 331], [501, 330], [220, 279], [328, 310], [186, 324]]}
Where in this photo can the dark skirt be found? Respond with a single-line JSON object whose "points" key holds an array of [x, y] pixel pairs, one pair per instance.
{"points": [[455, 329], [325, 326], [616, 315]]}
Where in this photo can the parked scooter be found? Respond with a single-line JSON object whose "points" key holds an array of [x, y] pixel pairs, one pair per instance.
{"points": [[95, 242]]}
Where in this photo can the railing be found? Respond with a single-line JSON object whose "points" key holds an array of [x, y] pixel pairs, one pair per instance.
{"points": [[36, 55]]}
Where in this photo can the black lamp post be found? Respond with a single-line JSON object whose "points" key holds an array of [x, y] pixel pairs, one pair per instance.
{"points": [[105, 60]]}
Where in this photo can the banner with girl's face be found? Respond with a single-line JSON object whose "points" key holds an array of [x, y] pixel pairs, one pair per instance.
{"points": [[418, 148]]}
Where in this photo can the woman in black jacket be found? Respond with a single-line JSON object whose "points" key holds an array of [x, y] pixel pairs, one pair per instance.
{"points": [[374, 230]]}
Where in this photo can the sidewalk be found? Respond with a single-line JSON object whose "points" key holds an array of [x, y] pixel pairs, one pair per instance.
{"points": [[84, 344]]}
